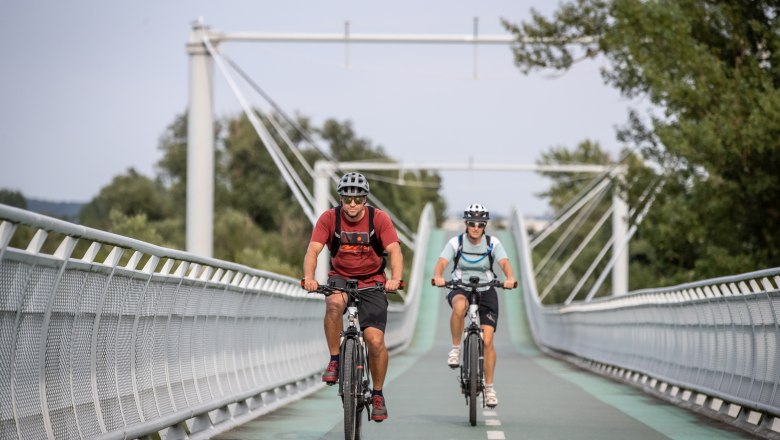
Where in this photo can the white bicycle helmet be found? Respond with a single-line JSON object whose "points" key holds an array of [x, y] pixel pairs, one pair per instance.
{"points": [[353, 184], [476, 212]]}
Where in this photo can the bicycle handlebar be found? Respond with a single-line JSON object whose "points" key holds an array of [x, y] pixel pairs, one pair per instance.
{"points": [[329, 290], [454, 284]]}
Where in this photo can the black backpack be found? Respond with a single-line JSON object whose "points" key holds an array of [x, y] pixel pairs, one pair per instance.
{"points": [[460, 252], [373, 239]]}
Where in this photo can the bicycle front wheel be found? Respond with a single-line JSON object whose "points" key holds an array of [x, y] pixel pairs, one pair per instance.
{"points": [[473, 360], [352, 378]]}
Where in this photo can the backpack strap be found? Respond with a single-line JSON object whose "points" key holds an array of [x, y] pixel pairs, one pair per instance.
{"points": [[490, 255], [335, 239], [460, 252], [375, 242]]}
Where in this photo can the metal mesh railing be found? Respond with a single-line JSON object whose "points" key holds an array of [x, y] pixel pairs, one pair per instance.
{"points": [[718, 337], [136, 339]]}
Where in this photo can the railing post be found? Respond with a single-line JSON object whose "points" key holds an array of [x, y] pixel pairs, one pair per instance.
{"points": [[200, 147]]}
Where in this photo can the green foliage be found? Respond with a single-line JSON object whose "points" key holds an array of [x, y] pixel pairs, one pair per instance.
{"points": [[13, 198], [130, 194], [135, 226], [711, 69]]}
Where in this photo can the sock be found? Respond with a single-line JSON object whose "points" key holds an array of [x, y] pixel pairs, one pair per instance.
{"points": [[377, 393], [489, 386], [456, 346], [334, 357]]}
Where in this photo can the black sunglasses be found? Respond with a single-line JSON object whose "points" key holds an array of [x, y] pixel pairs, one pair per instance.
{"points": [[349, 199], [479, 225]]}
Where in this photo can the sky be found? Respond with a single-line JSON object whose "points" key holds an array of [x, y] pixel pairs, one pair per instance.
{"points": [[89, 87]]}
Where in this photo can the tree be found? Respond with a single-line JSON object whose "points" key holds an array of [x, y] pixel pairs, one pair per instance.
{"points": [[712, 71], [13, 198], [130, 194]]}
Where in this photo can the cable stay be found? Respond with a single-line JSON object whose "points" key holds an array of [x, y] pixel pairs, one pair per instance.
{"points": [[622, 246], [568, 234], [603, 251], [571, 210], [405, 233], [569, 261], [265, 136]]}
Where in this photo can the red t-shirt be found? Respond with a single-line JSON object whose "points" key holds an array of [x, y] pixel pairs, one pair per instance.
{"points": [[356, 259]]}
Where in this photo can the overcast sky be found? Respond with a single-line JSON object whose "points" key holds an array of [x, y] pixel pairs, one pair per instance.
{"points": [[88, 88]]}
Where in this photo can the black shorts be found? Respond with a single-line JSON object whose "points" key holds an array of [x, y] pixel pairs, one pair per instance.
{"points": [[488, 305], [372, 311]]}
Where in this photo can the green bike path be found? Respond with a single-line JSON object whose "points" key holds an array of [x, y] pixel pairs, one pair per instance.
{"points": [[539, 397]]}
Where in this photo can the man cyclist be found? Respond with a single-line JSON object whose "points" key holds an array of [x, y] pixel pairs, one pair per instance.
{"points": [[474, 253], [356, 252]]}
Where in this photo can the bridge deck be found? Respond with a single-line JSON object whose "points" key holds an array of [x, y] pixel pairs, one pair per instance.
{"points": [[539, 397]]}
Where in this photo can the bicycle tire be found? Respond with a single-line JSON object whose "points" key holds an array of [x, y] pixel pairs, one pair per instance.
{"points": [[360, 389], [473, 356], [351, 388]]}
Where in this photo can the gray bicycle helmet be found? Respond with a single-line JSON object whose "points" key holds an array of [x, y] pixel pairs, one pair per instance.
{"points": [[476, 212], [353, 184]]}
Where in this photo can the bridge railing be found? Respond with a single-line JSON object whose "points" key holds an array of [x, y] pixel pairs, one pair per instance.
{"points": [[101, 346], [715, 342]]}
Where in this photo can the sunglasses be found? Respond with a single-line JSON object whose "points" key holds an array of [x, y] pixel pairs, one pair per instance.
{"points": [[347, 200], [479, 225]]}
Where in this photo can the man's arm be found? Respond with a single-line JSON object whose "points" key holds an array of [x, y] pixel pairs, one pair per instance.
{"points": [[510, 281], [310, 264], [438, 270], [396, 266]]}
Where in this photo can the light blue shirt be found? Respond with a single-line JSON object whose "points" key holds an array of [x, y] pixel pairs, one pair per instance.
{"points": [[471, 264]]}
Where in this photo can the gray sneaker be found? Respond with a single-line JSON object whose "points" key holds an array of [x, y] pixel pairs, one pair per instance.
{"points": [[491, 401], [453, 358]]}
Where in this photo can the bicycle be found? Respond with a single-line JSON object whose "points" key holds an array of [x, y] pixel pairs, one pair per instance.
{"points": [[472, 373], [354, 373]]}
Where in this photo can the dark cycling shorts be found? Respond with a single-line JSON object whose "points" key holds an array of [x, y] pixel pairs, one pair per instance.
{"points": [[488, 305], [372, 311]]}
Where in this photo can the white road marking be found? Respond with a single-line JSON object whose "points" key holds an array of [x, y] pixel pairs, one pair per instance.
{"points": [[496, 435], [489, 413], [492, 422]]}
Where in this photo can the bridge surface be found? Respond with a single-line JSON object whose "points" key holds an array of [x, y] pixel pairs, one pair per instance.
{"points": [[539, 397]]}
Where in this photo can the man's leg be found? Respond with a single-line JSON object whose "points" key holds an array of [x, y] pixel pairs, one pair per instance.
{"points": [[333, 323], [378, 359], [377, 355], [334, 307]]}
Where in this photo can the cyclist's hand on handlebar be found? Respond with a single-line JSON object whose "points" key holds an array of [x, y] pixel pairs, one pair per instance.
{"points": [[438, 282], [309, 284], [510, 283], [393, 285]]}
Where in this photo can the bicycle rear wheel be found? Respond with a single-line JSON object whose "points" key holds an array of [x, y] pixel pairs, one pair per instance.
{"points": [[352, 378], [473, 361]]}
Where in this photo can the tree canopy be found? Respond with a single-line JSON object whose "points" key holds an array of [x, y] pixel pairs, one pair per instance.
{"points": [[711, 71]]}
